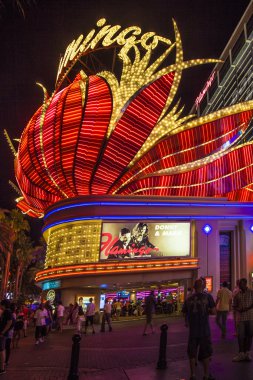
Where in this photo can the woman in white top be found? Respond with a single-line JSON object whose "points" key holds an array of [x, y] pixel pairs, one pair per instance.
{"points": [[80, 318]]}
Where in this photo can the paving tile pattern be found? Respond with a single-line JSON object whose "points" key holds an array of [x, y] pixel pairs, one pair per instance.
{"points": [[123, 354]]}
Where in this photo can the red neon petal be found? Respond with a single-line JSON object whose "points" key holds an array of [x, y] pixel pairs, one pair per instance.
{"points": [[92, 133], [131, 132], [187, 146], [229, 173]]}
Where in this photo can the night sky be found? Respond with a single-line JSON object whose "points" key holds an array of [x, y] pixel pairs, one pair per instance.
{"points": [[31, 48]]}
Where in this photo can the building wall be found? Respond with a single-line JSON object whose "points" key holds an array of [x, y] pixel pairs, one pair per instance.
{"points": [[231, 80], [207, 249], [208, 252], [249, 251], [220, 214]]}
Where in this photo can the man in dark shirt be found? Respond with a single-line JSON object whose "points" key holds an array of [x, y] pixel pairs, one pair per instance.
{"points": [[120, 249], [243, 305], [5, 325], [196, 309]]}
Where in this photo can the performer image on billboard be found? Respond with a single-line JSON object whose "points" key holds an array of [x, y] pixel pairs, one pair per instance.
{"points": [[140, 236], [122, 245]]}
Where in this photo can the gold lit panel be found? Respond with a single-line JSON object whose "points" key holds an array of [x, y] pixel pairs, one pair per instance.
{"points": [[73, 243]]}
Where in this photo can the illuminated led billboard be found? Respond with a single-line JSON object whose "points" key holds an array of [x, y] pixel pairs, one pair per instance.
{"points": [[144, 240], [73, 244]]}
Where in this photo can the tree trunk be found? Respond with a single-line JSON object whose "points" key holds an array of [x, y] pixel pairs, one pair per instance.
{"points": [[16, 283], [5, 275], [20, 281], [2, 263]]}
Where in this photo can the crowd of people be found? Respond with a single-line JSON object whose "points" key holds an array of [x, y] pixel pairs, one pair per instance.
{"points": [[14, 322], [198, 305], [124, 308]]}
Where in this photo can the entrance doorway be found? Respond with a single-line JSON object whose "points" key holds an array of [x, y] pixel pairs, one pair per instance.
{"points": [[225, 257], [169, 298]]}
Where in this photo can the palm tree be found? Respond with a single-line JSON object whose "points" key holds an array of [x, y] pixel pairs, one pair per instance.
{"points": [[29, 287], [12, 229], [23, 252]]}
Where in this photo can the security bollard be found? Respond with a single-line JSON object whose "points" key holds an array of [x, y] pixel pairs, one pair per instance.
{"points": [[73, 371], [162, 362], [103, 323]]}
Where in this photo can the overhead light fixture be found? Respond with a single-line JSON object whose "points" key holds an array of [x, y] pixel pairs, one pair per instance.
{"points": [[207, 229]]}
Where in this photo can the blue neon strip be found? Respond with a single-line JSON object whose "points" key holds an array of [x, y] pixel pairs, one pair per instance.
{"points": [[149, 204], [138, 217]]}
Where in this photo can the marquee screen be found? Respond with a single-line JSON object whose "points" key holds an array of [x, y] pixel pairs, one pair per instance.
{"points": [[144, 240]]}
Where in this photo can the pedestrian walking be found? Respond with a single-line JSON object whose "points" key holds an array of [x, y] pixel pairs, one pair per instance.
{"points": [[114, 317], [40, 324], [90, 312], [80, 318], [49, 318], [223, 306], [107, 316], [23, 312], [75, 312], [18, 328], [118, 307], [243, 304], [196, 309], [139, 308], [150, 304], [10, 335], [189, 292], [236, 314], [59, 315], [6, 323], [69, 320]]}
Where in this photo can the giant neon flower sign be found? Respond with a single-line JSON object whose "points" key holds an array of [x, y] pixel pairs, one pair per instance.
{"points": [[101, 135]]}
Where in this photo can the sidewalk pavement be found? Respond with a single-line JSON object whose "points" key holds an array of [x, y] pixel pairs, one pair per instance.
{"points": [[124, 354]]}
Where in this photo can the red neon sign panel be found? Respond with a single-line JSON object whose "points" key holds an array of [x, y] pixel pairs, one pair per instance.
{"points": [[204, 91]]}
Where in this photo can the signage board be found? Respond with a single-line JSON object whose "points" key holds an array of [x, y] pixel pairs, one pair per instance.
{"points": [[123, 294], [51, 285], [102, 301], [144, 240], [209, 283], [51, 295]]}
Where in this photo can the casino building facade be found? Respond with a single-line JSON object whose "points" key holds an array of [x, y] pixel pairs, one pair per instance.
{"points": [[134, 195], [208, 237], [231, 81]]}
